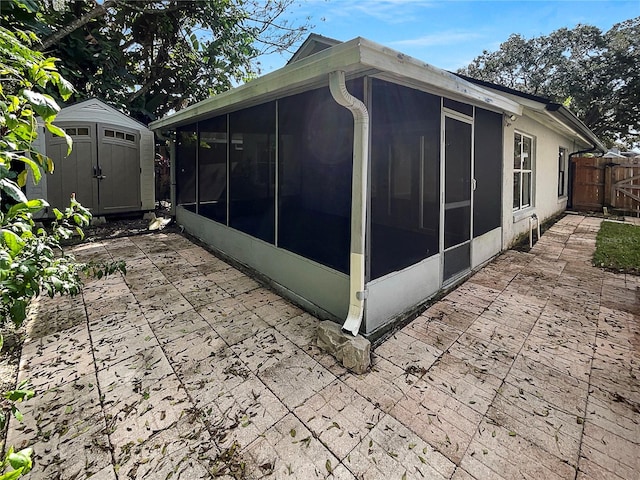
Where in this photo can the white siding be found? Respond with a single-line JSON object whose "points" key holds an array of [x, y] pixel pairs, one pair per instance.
{"points": [[545, 178]]}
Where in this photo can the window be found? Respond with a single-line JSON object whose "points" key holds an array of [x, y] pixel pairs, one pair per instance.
{"points": [[111, 133], [522, 171], [563, 158]]}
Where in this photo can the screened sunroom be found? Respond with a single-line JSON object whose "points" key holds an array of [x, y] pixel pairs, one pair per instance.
{"points": [[358, 180]]}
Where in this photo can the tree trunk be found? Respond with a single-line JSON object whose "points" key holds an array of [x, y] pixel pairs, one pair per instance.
{"points": [[63, 32]]}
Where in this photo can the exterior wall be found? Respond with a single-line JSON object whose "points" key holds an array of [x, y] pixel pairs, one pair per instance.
{"points": [[147, 175], [546, 202], [402, 287], [485, 247], [396, 293], [319, 289]]}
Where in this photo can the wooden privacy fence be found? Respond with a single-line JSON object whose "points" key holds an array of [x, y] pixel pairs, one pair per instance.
{"points": [[606, 182]]}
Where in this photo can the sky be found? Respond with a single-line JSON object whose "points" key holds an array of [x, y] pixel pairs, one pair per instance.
{"points": [[448, 34]]}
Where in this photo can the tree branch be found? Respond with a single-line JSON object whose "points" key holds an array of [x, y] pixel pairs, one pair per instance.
{"points": [[98, 11]]}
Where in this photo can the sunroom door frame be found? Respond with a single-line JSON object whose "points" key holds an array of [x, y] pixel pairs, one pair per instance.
{"points": [[464, 247]]}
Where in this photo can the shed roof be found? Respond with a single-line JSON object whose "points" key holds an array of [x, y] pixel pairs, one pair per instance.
{"points": [[355, 57], [94, 110]]}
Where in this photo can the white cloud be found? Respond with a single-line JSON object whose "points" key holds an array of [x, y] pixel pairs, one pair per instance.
{"points": [[388, 11], [436, 39]]}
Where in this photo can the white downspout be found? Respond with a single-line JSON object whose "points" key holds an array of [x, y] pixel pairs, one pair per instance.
{"points": [[357, 292]]}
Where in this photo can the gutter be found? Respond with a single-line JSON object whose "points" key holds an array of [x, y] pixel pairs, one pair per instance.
{"points": [[555, 110], [357, 293]]}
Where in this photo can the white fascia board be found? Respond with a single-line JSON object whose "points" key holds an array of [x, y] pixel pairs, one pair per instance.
{"points": [[386, 59], [538, 111], [308, 72], [355, 56], [541, 116]]}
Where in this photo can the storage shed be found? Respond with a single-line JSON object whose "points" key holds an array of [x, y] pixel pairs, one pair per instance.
{"points": [[111, 166], [362, 181]]}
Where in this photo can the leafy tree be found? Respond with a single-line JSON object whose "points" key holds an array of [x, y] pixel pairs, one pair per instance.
{"points": [[592, 72], [31, 259], [149, 58]]}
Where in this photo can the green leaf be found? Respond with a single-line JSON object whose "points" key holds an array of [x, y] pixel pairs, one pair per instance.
{"points": [[22, 178], [34, 167], [20, 394], [13, 241], [64, 88], [31, 206], [12, 475], [44, 105], [18, 312], [57, 131], [21, 460], [12, 189]]}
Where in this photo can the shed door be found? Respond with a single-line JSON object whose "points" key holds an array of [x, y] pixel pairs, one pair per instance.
{"points": [[73, 174], [118, 169], [457, 209]]}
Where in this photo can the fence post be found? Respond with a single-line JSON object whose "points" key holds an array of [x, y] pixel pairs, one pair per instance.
{"points": [[609, 192]]}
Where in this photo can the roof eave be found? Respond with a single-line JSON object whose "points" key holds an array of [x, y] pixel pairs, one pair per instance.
{"points": [[355, 56], [564, 115], [345, 56], [386, 59]]}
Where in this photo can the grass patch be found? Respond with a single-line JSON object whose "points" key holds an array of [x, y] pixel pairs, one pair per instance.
{"points": [[618, 247]]}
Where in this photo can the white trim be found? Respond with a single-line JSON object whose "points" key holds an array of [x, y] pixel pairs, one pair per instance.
{"points": [[459, 117], [354, 57], [522, 171]]}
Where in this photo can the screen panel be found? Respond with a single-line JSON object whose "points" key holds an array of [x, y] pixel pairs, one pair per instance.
{"points": [[405, 177], [487, 200], [252, 171]]}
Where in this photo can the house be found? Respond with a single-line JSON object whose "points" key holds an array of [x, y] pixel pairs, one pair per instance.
{"points": [[362, 181], [111, 166]]}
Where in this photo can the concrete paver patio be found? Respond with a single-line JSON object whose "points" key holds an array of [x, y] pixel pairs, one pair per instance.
{"points": [[187, 368]]}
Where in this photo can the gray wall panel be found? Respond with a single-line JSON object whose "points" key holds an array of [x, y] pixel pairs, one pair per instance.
{"points": [[399, 292], [319, 285]]}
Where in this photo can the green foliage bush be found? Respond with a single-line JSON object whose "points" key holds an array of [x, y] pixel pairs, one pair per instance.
{"points": [[32, 261]]}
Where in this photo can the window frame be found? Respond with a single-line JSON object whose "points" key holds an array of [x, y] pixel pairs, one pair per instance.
{"points": [[563, 170], [521, 172]]}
